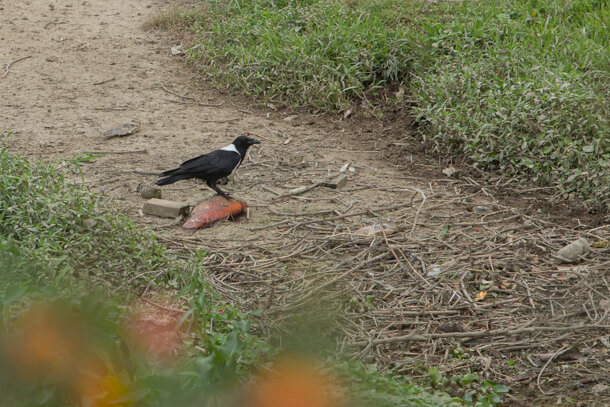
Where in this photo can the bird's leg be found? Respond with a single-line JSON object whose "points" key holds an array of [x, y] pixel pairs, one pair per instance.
{"points": [[218, 190]]}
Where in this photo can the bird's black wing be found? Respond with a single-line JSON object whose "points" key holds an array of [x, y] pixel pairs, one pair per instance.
{"points": [[217, 164]]}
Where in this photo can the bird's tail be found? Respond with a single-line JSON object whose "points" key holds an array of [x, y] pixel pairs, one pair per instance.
{"points": [[170, 178]]}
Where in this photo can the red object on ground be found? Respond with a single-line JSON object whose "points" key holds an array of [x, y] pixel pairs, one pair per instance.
{"points": [[212, 210]]}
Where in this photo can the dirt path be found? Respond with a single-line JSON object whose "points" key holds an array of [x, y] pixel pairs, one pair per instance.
{"points": [[91, 66]]}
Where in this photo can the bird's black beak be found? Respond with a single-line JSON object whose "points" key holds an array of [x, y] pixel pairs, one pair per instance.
{"points": [[253, 141]]}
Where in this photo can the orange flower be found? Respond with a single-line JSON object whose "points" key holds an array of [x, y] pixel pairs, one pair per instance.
{"points": [[44, 343], [156, 334], [295, 383], [96, 390]]}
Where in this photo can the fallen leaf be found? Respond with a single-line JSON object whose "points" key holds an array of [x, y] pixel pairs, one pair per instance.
{"points": [[480, 296], [505, 284], [434, 270], [449, 171]]}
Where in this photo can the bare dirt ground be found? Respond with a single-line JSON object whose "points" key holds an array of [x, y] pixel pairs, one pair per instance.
{"points": [[406, 289]]}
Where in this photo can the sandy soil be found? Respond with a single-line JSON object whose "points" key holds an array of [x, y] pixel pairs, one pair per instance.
{"points": [[91, 66]]}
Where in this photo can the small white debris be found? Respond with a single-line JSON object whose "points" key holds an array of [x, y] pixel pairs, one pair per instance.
{"points": [[572, 252], [376, 229], [434, 270], [449, 171], [177, 50]]}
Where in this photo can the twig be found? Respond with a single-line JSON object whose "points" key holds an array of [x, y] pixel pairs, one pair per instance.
{"points": [[181, 102], [8, 67], [106, 81], [390, 208], [117, 152], [220, 120], [279, 133], [559, 352], [299, 191], [269, 226], [340, 276], [478, 334], [141, 172], [111, 108], [242, 109], [418, 210], [154, 304], [174, 93]]}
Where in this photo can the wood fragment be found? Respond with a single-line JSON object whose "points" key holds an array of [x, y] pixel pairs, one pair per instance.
{"points": [[165, 208], [336, 182]]}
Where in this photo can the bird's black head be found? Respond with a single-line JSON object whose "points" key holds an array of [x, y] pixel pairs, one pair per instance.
{"points": [[242, 143]]}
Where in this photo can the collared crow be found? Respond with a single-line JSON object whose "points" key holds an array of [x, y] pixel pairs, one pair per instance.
{"points": [[212, 166]]}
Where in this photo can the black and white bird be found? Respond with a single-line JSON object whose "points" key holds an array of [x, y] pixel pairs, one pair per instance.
{"points": [[212, 166]]}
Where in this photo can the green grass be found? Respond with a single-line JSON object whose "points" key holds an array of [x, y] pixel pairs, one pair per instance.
{"points": [[301, 53], [520, 87], [63, 229]]}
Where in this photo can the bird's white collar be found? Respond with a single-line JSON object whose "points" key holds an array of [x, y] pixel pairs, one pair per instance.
{"points": [[231, 147]]}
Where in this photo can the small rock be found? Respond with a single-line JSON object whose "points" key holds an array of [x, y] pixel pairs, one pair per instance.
{"points": [[572, 252], [123, 130], [151, 191], [481, 209]]}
